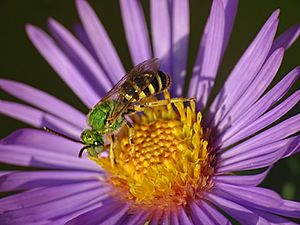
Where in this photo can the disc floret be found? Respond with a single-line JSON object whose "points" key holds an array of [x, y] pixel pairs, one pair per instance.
{"points": [[168, 164]]}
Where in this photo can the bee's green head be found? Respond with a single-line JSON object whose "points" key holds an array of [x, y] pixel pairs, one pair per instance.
{"points": [[93, 142]]}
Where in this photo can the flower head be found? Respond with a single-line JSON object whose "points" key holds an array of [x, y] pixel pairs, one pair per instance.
{"points": [[185, 157]]}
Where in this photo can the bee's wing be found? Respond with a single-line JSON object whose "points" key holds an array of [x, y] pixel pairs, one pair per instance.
{"points": [[147, 69], [150, 66]]}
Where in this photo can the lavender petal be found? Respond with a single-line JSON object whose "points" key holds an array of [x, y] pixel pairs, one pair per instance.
{"points": [[136, 30], [273, 219], [41, 204], [84, 39], [62, 65], [99, 39], [230, 7], [199, 216], [180, 37], [84, 61], [109, 213], [268, 118], [218, 217], [44, 101], [174, 218], [183, 218], [16, 181], [289, 208], [156, 217], [243, 180], [42, 159], [256, 197], [257, 157], [38, 118], [161, 33], [138, 218], [238, 212], [261, 106], [287, 38], [295, 149], [209, 55], [255, 89], [37, 138], [271, 135], [244, 71]]}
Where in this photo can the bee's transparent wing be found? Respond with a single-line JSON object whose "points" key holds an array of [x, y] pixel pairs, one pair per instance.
{"points": [[147, 69]]}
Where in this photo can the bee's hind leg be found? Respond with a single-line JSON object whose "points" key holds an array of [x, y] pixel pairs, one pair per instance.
{"points": [[162, 102], [130, 134]]}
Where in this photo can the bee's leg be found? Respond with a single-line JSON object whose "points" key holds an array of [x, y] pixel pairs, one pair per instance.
{"points": [[162, 102], [130, 132], [111, 150]]}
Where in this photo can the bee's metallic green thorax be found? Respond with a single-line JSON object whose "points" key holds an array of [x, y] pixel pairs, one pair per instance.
{"points": [[97, 118]]}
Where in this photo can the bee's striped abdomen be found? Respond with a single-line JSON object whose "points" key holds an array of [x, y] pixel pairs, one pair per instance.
{"points": [[141, 87]]}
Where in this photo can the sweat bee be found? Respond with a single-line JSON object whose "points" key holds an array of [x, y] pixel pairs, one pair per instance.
{"points": [[108, 115]]}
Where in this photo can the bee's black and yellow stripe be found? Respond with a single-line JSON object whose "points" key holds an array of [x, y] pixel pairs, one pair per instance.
{"points": [[139, 86]]}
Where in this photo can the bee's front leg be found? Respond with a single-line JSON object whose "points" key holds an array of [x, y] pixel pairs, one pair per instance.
{"points": [[111, 150]]}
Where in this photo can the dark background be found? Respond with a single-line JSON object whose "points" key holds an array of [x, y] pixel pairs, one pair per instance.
{"points": [[20, 61]]}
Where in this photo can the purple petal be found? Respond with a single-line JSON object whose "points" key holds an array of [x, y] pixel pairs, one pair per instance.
{"points": [[272, 135], [273, 219], [16, 181], [255, 89], [81, 57], [28, 156], [84, 39], [261, 106], [209, 55], [37, 118], [183, 218], [62, 65], [37, 138], [256, 157], [286, 39], [174, 218], [230, 7], [180, 38], [244, 72], [259, 198], [156, 217], [166, 220], [245, 180], [109, 213], [295, 149], [136, 30], [138, 218], [256, 197], [46, 203], [238, 212], [99, 39], [199, 215], [44, 101], [218, 217], [161, 33], [289, 208], [268, 118]]}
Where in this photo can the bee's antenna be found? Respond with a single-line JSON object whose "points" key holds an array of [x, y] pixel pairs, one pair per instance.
{"points": [[61, 135], [81, 150]]}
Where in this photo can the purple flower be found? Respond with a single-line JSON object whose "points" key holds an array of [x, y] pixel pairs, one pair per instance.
{"points": [[196, 165]]}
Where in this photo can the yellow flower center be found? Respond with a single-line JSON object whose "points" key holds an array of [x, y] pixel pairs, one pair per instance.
{"points": [[168, 164]]}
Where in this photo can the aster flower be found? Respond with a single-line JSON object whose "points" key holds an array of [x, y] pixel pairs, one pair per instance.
{"points": [[185, 166]]}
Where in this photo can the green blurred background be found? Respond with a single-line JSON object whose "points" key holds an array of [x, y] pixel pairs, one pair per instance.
{"points": [[20, 61]]}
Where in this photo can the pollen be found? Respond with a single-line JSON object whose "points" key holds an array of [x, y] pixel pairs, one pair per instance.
{"points": [[168, 164]]}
